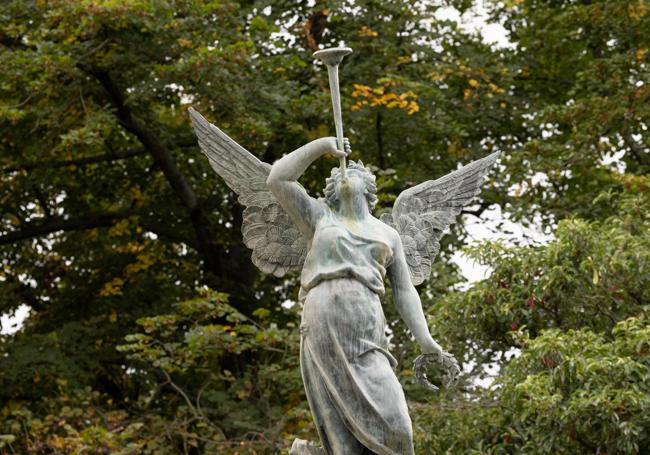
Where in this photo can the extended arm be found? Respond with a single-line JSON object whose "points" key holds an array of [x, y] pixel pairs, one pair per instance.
{"points": [[408, 301], [282, 181]]}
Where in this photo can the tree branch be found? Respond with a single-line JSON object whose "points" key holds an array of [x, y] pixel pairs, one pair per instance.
{"points": [[78, 162], [479, 211], [230, 271], [380, 140], [40, 197], [56, 224], [148, 138]]}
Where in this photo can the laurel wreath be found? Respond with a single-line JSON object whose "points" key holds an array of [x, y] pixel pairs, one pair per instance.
{"points": [[444, 367]]}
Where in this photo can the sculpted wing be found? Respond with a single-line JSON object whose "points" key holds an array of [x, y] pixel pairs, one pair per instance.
{"points": [[277, 244], [422, 213]]}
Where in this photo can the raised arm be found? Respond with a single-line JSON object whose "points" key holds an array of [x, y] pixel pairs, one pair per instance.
{"points": [[282, 181], [407, 300]]}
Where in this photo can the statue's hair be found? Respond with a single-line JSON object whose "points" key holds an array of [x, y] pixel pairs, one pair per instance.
{"points": [[368, 177]]}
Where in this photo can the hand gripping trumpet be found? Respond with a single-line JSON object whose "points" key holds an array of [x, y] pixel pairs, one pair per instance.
{"points": [[332, 58]]}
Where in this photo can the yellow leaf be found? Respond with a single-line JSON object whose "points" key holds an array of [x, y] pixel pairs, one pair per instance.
{"points": [[113, 287], [143, 262], [113, 317], [495, 88], [436, 77], [133, 248], [474, 83], [119, 228], [637, 11], [404, 59], [361, 91], [413, 108], [367, 32], [56, 442]]}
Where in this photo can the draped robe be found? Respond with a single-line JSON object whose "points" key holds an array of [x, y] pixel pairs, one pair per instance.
{"points": [[357, 403]]}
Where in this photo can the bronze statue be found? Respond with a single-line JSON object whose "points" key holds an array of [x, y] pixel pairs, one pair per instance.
{"points": [[344, 254]]}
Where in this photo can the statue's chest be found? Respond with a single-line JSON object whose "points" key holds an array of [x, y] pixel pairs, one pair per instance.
{"points": [[336, 240]]}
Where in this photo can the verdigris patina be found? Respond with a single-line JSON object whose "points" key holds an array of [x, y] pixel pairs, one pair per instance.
{"points": [[344, 254]]}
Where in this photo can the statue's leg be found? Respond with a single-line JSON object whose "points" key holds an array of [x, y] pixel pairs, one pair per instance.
{"points": [[355, 398], [335, 436]]}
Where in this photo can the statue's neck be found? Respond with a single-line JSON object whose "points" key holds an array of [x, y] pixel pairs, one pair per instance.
{"points": [[354, 207]]}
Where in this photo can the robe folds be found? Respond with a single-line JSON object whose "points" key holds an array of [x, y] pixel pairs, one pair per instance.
{"points": [[357, 402]]}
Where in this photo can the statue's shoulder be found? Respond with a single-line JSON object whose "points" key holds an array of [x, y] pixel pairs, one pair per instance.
{"points": [[323, 210], [385, 226], [392, 236]]}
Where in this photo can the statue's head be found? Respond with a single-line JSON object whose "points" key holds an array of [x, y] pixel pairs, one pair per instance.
{"points": [[359, 179]]}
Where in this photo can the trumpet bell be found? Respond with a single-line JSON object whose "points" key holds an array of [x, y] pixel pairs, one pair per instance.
{"points": [[333, 55]]}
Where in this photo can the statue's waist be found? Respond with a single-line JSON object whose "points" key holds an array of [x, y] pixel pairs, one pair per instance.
{"points": [[341, 286]]}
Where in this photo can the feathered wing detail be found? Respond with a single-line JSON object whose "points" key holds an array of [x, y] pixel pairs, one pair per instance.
{"points": [[422, 213], [278, 246]]}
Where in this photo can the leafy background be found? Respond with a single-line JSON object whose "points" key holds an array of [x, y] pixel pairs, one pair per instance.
{"points": [[150, 331]]}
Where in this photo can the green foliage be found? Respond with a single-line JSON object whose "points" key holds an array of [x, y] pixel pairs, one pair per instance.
{"points": [[190, 354], [78, 421], [576, 312], [192, 390], [111, 219], [592, 275], [582, 82], [578, 390], [572, 391]]}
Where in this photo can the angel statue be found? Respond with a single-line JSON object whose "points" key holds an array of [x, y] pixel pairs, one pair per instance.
{"points": [[344, 253]]}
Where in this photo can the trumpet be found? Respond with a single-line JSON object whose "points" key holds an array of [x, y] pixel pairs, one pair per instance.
{"points": [[332, 58]]}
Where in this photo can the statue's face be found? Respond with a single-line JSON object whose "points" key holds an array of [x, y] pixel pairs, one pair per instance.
{"points": [[352, 185]]}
